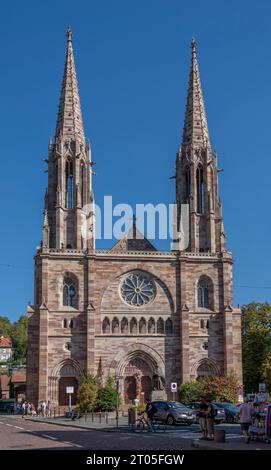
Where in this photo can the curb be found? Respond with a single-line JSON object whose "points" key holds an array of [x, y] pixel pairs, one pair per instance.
{"points": [[204, 446], [35, 420]]}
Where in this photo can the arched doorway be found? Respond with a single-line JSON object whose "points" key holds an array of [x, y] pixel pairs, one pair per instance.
{"points": [[63, 397], [65, 374], [138, 375]]}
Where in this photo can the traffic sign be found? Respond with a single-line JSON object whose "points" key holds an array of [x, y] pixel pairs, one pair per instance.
{"points": [[174, 386], [69, 389]]}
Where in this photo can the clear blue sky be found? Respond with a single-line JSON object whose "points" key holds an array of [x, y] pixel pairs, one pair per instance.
{"points": [[132, 61]]}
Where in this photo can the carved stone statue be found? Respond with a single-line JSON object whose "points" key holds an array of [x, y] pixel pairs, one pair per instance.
{"points": [[158, 382]]}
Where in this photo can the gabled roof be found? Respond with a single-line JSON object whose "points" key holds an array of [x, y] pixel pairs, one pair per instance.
{"points": [[5, 342], [133, 240]]}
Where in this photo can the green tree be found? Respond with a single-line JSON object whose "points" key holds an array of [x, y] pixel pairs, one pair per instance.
{"points": [[87, 394], [190, 391], [256, 342], [18, 334], [5, 326], [266, 372], [107, 397]]}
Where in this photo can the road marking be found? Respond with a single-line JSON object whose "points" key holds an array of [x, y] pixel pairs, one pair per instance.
{"points": [[77, 445], [50, 437], [10, 425], [67, 442], [18, 427]]}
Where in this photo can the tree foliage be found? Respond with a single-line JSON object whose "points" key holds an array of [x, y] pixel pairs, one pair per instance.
{"points": [[107, 397], [17, 332], [256, 343], [218, 388], [87, 394]]}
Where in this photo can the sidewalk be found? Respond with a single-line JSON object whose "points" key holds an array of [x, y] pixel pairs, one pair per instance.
{"points": [[231, 444], [110, 426]]}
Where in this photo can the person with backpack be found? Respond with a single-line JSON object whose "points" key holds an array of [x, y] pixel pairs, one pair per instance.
{"points": [[210, 420]]}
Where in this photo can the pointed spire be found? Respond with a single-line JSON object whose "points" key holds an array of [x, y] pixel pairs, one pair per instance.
{"points": [[69, 120], [195, 132]]}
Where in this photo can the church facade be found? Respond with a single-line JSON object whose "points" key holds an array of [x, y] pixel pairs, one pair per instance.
{"points": [[144, 317]]}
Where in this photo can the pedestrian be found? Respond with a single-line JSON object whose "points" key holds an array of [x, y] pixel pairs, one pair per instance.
{"points": [[150, 410], [203, 417], [32, 409], [43, 409], [210, 420], [246, 419], [28, 409], [23, 409], [48, 409]]}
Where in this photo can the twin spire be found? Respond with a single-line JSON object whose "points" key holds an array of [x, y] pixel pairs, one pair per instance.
{"points": [[195, 131], [69, 120]]}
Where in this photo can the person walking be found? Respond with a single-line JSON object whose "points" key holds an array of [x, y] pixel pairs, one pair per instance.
{"points": [[23, 409], [203, 417], [210, 420], [48, 409], [246, 419], [150, 410], [43, 409]]}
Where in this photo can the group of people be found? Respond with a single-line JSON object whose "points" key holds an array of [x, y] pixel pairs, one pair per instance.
{"points": [[44, 409], [207, 419]]}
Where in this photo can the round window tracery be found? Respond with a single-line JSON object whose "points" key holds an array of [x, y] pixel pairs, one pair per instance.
{"points": [[137, 290]]}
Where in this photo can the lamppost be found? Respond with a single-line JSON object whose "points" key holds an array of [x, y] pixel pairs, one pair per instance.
{"points": [[117, 380]]}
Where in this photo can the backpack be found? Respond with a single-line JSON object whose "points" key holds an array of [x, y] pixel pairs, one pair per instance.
{"points": [[213, 412]]}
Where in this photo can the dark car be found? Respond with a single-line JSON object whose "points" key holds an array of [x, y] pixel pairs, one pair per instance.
{"points": [[220, 415], [173, 412], [231, 412], [7, 406]]}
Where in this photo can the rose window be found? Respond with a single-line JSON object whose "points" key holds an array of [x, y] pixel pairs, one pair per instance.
{"points": [[137, 290]]}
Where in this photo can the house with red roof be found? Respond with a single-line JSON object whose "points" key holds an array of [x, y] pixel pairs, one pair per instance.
{"points": [[5, 349]]}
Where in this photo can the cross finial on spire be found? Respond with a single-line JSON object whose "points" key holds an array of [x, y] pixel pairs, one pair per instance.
{"points": [[193, 44], [69, 33]]}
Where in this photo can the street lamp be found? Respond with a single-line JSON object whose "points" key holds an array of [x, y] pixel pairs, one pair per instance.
{"points": [[117, 380]]}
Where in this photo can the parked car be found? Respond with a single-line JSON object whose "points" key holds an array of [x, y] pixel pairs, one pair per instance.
{"points": [[231, 412], [220, 412], [173, 412], [7, 406]]}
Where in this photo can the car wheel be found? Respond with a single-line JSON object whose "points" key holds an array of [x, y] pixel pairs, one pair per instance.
{"points": [[170, 420]]}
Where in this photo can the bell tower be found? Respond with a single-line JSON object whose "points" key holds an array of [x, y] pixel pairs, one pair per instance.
{"points": [[196, 172], [69, 198]]}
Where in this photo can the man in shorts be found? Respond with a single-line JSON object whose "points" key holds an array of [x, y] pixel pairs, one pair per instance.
{"points": [[210, 416], [202, 418], [246, 419]]}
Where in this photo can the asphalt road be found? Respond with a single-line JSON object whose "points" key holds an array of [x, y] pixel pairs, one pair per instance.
{"points": [[18, 434]]}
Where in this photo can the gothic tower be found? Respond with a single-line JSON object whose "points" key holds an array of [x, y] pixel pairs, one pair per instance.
{"points": [[196, 172], [69, 198]]}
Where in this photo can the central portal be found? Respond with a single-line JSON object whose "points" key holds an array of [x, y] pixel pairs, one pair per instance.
{"points": [[138, 376]]}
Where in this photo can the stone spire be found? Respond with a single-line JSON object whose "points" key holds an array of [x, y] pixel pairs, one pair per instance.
{"points": [[69, 120], [195, 131]]}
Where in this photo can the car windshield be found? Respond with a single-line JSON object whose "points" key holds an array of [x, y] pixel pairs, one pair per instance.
{"points": [[230, 406], [176, 404]]}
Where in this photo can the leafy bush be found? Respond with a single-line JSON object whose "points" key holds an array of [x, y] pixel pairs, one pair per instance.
{"points": [[219, 388], [107, 397], [87, 394]]}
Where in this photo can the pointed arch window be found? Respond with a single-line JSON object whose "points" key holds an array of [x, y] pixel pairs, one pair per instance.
{"points": [[65, 323], [69, 184], [160, 326], [115, 326], [69, 292], [142, 326], [187, 184], [82, 182], [124, 326], [151, 326], [106, 325], [203, 294], [169, 326], [133, 326], [200, 190]]}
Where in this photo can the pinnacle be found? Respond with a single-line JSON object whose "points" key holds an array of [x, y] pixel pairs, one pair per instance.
{"points": [[195, 132], [69, 120]]}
